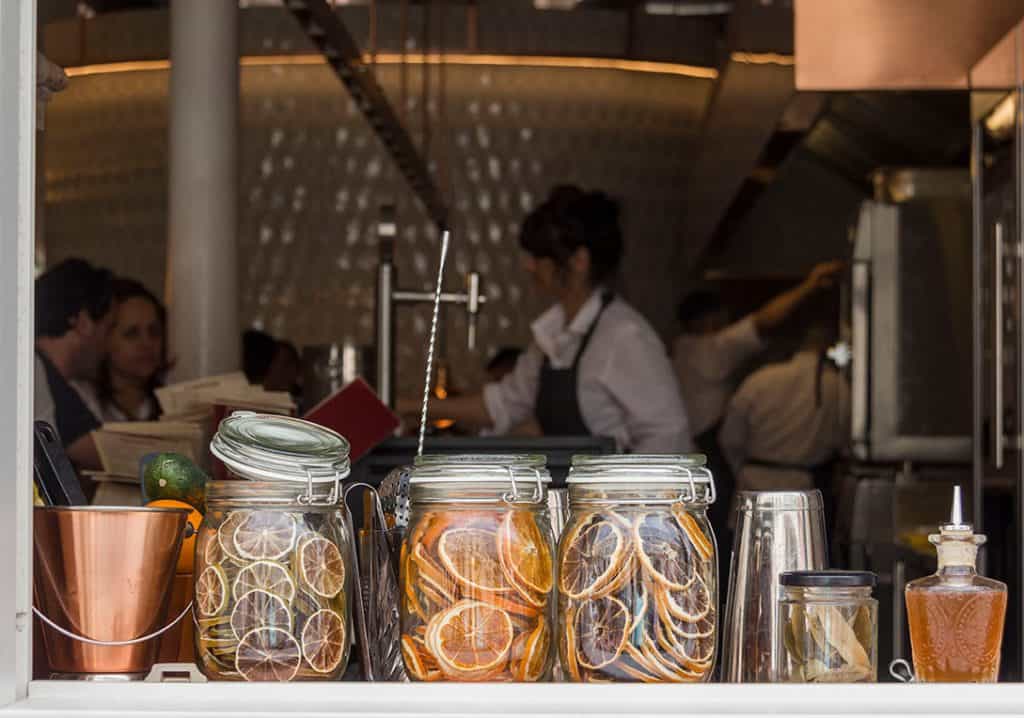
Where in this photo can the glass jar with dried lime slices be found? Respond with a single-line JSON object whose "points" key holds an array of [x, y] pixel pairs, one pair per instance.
{"points": [[478, 570], [637, 571], [273, 554]]}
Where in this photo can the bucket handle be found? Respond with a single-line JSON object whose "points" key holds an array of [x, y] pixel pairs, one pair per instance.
{"points": [[93, 642]]}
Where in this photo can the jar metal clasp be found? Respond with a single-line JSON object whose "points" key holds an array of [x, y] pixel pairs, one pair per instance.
{"points": [[309, 499], [514, 496]]}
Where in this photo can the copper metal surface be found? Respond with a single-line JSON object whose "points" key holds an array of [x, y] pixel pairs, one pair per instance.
{"points": [[886, 45], [106, 574]]}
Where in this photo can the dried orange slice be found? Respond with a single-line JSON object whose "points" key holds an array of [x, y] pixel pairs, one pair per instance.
{"points": [[570, 649], [691, 605], [259, 609], [226, 533], [532, 666], [268, 576], [525, 556], [418, 661], [433, 575], [268, 654], [629, 667], [471, 556], [211, 591], [698, 539], [321, 566], [323, 641], [663, 551], [593, 556], [514, 607], [602, 626], [265, 535], [470, 640]]}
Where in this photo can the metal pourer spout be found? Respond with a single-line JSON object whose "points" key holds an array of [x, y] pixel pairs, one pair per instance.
{"points": [[956, 514]]}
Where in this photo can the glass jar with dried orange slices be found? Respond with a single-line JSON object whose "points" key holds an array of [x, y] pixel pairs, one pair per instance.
{"points": [[273, 555], [478, 570], [637, 571]]}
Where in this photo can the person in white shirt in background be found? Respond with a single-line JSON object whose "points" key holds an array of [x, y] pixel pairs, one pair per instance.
{"points": [[595, 366], [708, 353], [787, 421]]}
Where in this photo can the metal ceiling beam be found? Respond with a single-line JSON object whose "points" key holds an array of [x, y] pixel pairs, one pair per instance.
{"points": [[328, 33]]}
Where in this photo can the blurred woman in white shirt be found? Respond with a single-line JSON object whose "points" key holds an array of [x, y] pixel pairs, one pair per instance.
{"points": [[595, 366]]}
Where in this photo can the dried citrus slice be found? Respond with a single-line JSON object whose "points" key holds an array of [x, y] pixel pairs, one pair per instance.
{"points": [[664, 551], [690, 605], [268, 576], [321, 566], [433, 576], [268, 654], [323, 641], [226, 533], [514, 607], [418, 661], [265, 535], [211, 551], [211, 591], [602, 626], [470, 640], [471, 556], [593, 555], [259, 609], [698, 539], [525, 555], [570, 649], [534, 662]]}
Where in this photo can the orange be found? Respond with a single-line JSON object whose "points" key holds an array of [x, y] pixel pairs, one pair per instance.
{"points": [[594, 554], [268, 654], [323, 641], [186, 559], [471, 556], [525, 556], [602, 626], [470, 640], [705, 549], [663, 550], [321, 566]]}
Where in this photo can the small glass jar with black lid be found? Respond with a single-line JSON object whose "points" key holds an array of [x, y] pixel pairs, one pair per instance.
{"points": [[828, 627]]}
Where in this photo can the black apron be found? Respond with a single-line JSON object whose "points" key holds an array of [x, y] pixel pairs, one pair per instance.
{"points": [[557, 408]]}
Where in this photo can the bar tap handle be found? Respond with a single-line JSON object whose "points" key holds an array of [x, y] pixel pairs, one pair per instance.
{"points": [[473, 302]]}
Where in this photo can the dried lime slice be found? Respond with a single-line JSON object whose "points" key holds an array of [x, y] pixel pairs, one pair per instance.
{"points": [[269, 576], [323, 641], [321, 565], [268, 654], [265, 535], [211, 591], [226, 533], [259, 609]]}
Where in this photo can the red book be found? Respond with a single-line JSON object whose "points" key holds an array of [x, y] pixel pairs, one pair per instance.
{"points": [[358, 414]]}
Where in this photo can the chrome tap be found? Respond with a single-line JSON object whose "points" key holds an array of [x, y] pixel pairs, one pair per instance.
{"points": [[389, 296]]}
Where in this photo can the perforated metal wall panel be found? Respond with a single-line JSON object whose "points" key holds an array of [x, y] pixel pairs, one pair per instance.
{"points": [[313, 177]]}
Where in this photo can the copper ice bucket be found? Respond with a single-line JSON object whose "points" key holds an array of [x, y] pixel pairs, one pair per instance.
{"points": [[104, 575]]}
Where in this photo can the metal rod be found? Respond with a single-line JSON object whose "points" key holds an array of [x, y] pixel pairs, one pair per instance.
{"points": [[433, 337], [977, 359], [407, 297]]}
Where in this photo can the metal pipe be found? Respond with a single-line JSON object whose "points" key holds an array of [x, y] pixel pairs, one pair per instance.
{"points": [[977, 378], [385, 309]]}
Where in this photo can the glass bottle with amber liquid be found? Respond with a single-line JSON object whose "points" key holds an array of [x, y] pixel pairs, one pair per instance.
{"points": [[956, 616]]}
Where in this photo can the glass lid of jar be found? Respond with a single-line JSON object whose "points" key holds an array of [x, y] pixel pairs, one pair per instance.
{"points": [[684, 470], [479, 469], [270, 447]]}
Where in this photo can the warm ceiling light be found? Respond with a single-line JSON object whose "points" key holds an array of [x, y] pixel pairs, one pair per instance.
{"points": [[588, 63], [763, 58]]}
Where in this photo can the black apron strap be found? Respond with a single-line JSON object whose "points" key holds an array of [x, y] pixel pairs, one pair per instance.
{"points": [[557, 408]]}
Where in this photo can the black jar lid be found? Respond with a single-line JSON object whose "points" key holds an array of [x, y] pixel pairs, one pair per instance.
{"points": [[829, 578]]}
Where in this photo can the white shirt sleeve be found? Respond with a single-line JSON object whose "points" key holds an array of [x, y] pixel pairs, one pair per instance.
{"points": [[511, 400], [734, 435], [640, 378], [734, 345]]}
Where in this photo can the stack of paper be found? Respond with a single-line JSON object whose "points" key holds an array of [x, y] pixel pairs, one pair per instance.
{"points": [[122, 445]]}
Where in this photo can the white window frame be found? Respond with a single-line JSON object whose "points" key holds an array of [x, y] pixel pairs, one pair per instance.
{"points": [[19, 696]]}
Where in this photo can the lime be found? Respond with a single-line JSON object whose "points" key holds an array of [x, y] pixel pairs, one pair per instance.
{"points": [[173, 476]]}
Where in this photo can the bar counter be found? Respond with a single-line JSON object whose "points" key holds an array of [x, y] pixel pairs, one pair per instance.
{"points": [[61, 698]]}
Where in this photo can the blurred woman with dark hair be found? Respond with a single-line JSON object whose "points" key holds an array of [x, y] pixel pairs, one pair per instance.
{"points": [[136, 360], [595, 366]]}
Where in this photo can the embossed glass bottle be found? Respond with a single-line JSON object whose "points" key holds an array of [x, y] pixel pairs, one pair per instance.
{"points": [[956, 617]]}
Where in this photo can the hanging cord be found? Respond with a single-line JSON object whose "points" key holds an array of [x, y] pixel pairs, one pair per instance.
{"points": [[425, 83], [433, 338]]}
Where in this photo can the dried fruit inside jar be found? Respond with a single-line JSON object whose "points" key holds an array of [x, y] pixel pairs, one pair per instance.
{"points": [[272, 596], [477, 595], [638, 595]]}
